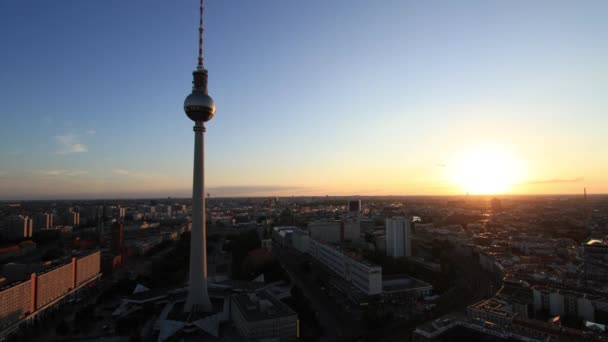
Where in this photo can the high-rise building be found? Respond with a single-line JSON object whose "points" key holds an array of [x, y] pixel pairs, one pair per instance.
{"points": [[74, 218], [42, 221], [326, 231], [108, 210], [354, 206], [30, 227], [18, 227], [49, 220], [398, 237], [117, 237], [122, 211]]}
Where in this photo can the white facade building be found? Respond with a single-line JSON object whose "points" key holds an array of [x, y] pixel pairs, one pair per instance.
{"points": [[300, 241], [259, 316], [282, 235], [326, 231], [398, 237], [560, 302], [352, 231], [335, 231], [363, 275]]}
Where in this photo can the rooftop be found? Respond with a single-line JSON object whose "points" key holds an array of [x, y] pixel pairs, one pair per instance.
{"points": [[494, 306], [259, 306], [401, 282]]}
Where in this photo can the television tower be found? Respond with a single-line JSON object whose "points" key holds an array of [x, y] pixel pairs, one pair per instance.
{"points": [[199, 107], [586, 211]]}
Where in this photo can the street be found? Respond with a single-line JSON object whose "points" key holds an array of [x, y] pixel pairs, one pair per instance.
{"points": [[337, 325]]}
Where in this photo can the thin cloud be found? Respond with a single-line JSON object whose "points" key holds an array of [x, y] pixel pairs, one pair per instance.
{"points": [[76, 173], [121, 172], [51, 172], [69, 173], [91, 132], [257, 190], [557, 180], [69, 143]]}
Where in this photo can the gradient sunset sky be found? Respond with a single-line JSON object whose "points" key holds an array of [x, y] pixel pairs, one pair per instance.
{"points": [[313, 97]]}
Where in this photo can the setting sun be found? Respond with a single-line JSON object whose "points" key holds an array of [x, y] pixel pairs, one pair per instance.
{"points": [[484, 169]]}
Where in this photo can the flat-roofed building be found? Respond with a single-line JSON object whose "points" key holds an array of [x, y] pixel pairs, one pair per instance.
{"points": [[560, 302], [326, 231], [351, 230], [354, 206], [18, 227], [398, 237], [282, 235], [300, 241], [87, 267], [492, 310], [53, 284], [363, 275], [403, 285], [14, 303], [24, 300], [258, 316]]}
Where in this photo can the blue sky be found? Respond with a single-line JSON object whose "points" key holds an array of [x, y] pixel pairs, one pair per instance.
{"points": [[313, 97]]}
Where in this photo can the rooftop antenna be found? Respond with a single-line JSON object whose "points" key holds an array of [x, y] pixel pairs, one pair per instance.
{"points": [[585, 208], [585, 194]]}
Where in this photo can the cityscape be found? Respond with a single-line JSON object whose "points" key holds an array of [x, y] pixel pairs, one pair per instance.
{"points": [[279, 216]]}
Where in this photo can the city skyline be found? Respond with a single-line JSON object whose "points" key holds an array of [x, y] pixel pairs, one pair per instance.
{"points": [[372, 99]]}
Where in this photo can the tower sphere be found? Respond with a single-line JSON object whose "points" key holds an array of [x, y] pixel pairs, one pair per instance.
{"points": [[199, 106]]}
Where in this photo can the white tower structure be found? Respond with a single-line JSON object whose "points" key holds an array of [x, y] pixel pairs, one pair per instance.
{"points": [[398, 237], [200, 108]]}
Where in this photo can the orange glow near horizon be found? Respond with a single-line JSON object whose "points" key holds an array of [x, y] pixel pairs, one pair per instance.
{"points": [[485, 169]]}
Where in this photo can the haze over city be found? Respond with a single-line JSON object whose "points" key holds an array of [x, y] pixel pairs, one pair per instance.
{"points": [[314, 98], [311, 171]]}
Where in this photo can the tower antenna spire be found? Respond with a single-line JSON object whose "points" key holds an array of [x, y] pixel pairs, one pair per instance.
{"points": [[200, 38]]}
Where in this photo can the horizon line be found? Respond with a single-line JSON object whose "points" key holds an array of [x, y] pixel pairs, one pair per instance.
{"points": [[292, 196]]}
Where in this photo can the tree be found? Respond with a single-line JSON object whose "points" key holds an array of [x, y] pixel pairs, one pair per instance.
{"points": [[305, 267], [241, 246], [52, 254], [62, 328], [135, 338], [296, 292], [375, 317]]}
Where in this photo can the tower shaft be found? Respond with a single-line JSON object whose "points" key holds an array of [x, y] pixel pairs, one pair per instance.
{"points": [[198, 297]]}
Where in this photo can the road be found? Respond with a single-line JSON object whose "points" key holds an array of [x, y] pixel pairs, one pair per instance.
{"points": [[337, 326]]}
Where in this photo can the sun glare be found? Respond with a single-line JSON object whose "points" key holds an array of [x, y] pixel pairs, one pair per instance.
{"points": [[484, 169]]}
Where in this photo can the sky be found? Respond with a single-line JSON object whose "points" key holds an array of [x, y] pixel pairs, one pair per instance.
{"points": [[342, 97]]}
